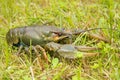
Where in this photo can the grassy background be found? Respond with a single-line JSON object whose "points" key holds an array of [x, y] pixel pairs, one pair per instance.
{"points": [[68, 14]]}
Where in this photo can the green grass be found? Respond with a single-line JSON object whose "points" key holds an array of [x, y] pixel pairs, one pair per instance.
{"points": [[66, 14]]}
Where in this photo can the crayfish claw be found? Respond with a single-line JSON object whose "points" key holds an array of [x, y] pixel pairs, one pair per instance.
{"points": [[86, 48], [90, 54]]}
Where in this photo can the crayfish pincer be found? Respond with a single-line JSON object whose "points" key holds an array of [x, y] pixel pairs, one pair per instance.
{"points": [[46, 38]]}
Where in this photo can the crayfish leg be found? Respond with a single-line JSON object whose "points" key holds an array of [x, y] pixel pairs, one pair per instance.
{"points": [[19, 50], [39, 58], [43, 51], [99, 37]]}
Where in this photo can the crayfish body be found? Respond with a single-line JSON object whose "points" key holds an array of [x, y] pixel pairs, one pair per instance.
{"points": [[46, 37]]}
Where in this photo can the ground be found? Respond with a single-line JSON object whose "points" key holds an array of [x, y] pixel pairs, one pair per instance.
{"points": [[65, 14]]}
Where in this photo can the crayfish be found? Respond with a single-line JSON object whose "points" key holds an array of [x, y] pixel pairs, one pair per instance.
{"points": [[49, 38]]}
